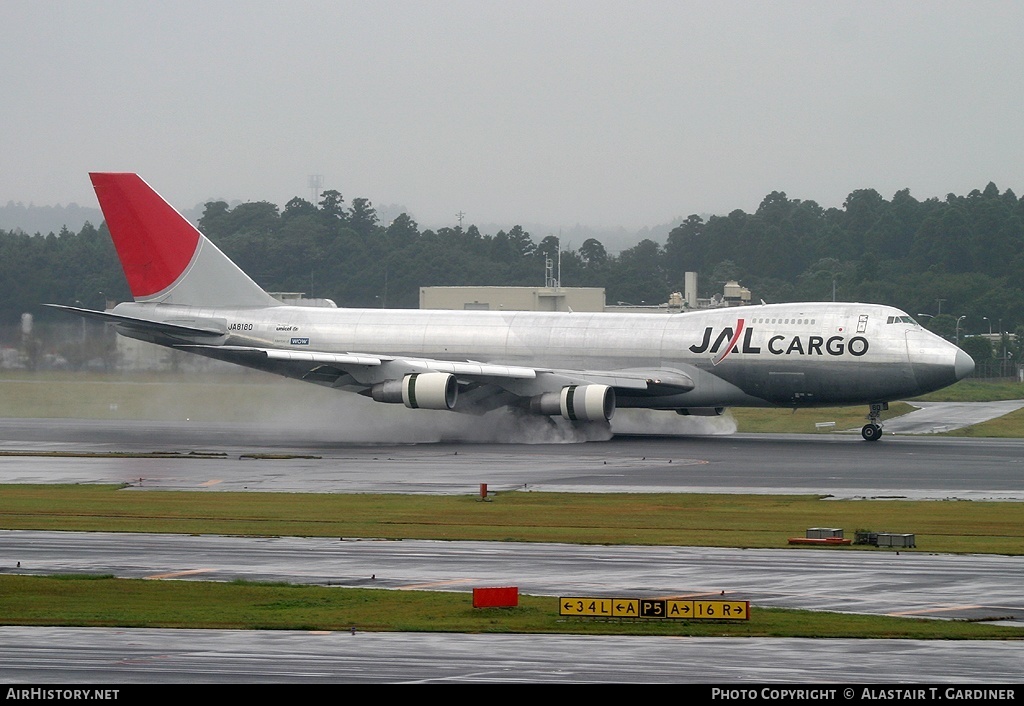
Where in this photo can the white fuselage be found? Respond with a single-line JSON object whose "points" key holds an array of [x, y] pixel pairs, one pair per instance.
{"points": [[804, 354]]}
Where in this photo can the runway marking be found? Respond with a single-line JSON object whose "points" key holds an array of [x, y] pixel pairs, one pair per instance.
{"points": [[936, 610], [644, 462], [433, 584], [177, 574], [208, 483]]}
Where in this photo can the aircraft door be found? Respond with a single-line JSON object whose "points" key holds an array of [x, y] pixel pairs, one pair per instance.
{"points": [[788, 388]]}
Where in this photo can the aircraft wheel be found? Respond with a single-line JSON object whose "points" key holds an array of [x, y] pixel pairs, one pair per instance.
{"points": [[871, 432]]}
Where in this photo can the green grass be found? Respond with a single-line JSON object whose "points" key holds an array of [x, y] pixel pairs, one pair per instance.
{"points": [[753, 420], [108, 602], [675, 519], [977, 390], [1009, 426]]}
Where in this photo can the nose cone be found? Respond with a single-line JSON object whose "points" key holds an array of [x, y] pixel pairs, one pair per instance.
{"points": [[964, 365], [936, 362]]}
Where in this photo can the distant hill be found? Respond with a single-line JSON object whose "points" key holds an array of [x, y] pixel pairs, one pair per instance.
{"points": [[33, 219], [47, 219]]}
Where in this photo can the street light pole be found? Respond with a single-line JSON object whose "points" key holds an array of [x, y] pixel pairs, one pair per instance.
{"points": [[1002, 349], [958, 327]]}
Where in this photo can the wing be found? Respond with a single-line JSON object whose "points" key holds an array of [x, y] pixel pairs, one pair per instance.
{"points": [[481, 386], [418, 382]]}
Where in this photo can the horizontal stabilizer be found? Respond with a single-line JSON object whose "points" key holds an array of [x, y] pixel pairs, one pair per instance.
{"points": [[213, 328]]}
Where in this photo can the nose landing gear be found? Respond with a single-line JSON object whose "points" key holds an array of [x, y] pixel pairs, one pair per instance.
{"points": [[872, 431]]}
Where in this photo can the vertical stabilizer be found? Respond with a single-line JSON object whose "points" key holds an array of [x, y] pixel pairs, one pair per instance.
{"points": [[165, 258]]}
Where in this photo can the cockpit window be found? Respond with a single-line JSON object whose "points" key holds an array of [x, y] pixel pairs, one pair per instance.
{"points": [[901, 320]]}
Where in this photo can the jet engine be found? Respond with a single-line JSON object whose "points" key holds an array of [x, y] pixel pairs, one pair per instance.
{"points": [[419, 391], [584, 403]]}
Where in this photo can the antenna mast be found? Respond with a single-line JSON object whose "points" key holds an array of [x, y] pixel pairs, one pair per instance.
{"points": [[552, 277], [316, 182]]}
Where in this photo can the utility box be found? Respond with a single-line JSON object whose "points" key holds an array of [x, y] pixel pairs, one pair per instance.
{"points": [[887, 539], [824, 533]]}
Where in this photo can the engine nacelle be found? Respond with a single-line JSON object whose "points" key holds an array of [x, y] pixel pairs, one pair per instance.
{"points": [[583, 403], [701, 411], [419, 391]]}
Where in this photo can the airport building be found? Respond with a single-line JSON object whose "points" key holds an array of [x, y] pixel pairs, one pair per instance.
{"points": [[552, 297], [513, 298]]}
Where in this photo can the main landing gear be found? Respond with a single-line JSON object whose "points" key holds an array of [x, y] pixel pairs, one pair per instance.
{"points": [[872, 431]]}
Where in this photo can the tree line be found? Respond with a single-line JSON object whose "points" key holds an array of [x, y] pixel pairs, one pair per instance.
{"points": [[957, 260]]}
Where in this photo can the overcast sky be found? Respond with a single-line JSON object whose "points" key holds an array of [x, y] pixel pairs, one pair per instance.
{"points": [[596, 112]]}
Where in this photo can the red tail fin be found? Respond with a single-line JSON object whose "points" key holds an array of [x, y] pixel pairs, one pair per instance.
{"points": [[155, 243], [165, 258]]}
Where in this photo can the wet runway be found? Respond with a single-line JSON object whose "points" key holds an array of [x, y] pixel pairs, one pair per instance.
{"points": [[208, 458], [148, 656], [182, 456]]}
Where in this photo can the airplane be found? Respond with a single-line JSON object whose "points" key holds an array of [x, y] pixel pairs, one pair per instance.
{"points": [[188, 295]]}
